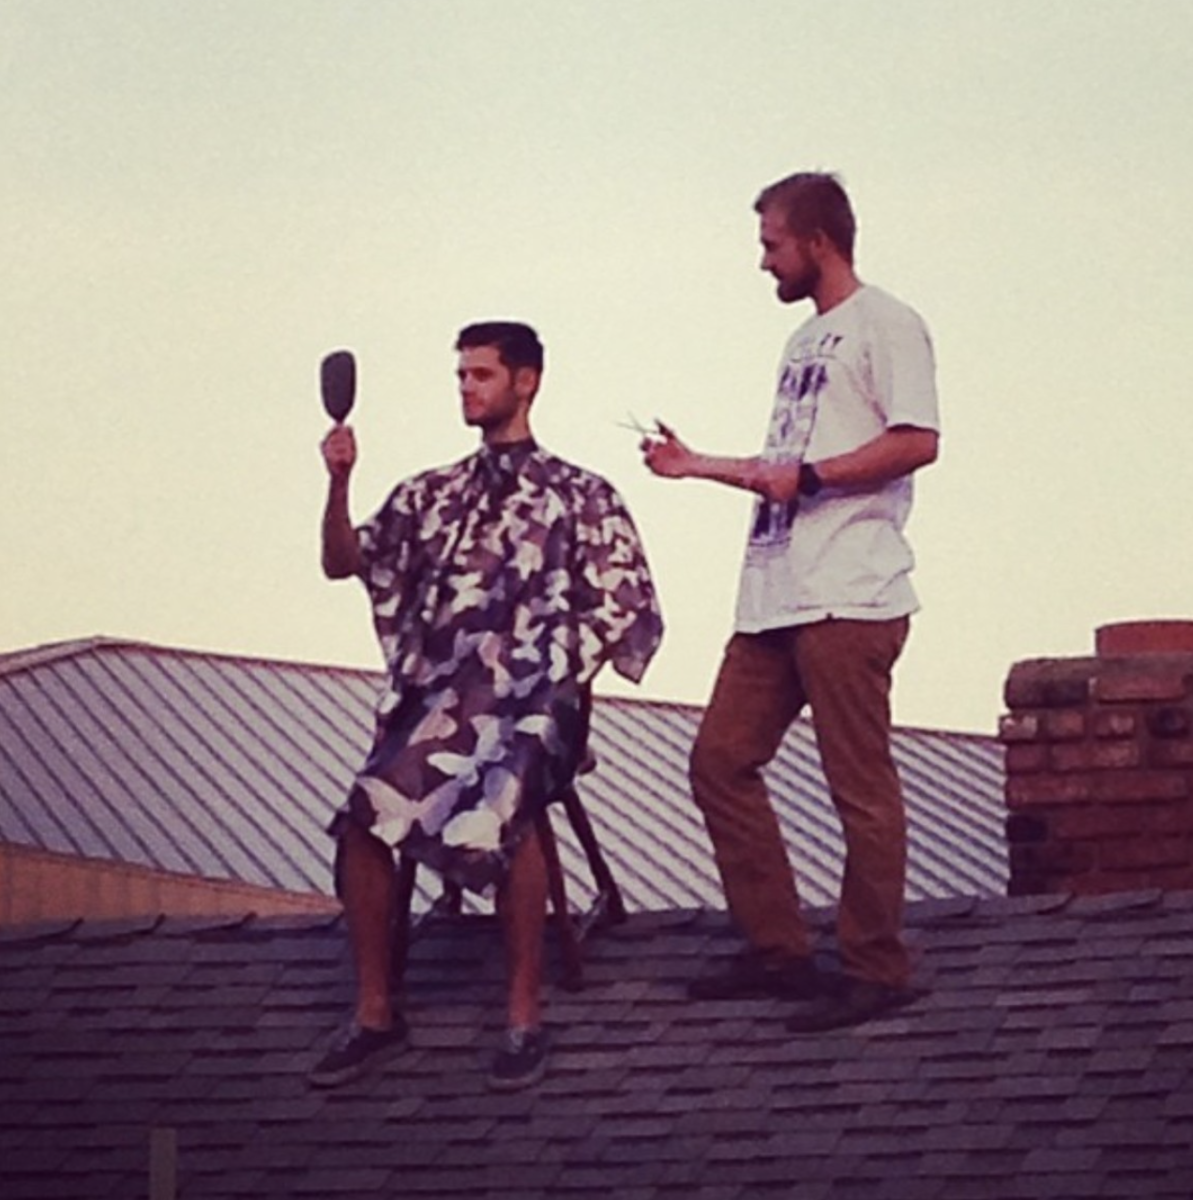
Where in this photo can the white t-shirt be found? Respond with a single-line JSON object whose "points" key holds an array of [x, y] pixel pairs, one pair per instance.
{"points": [[846, 376]]}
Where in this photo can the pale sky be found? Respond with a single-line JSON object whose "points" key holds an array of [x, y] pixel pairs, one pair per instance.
{"points": [[201, 199]]}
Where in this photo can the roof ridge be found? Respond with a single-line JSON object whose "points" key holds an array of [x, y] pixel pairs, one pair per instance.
{"points": [[14, 661]]}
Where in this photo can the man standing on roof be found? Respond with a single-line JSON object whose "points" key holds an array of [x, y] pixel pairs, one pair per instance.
{"points": [[822, 613], [499, 586]]}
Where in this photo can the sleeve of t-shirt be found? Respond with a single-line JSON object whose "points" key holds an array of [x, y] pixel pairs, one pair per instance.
{"points": [[904, 367]]}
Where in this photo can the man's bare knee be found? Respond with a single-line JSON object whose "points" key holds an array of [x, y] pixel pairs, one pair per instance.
{"points": [[359, 844]]}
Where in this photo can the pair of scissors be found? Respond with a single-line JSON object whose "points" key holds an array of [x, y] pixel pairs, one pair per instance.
{"points": [[637, 426]]}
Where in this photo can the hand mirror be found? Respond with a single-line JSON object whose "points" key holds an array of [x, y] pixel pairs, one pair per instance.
{"points": [[337, 379]]}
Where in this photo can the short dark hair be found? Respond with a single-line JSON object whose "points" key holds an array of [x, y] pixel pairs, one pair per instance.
{"points": [[517, 345], [812, 201]]}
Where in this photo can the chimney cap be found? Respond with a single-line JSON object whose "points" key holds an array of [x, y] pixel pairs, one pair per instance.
{"points": [[1125, 639]]}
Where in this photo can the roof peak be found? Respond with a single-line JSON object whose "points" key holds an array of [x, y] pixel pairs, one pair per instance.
{"points": [[12, 661]]}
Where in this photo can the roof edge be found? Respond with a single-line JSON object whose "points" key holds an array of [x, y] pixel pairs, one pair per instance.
{"points": [[16, 661], [236, 889], [12, 662]]}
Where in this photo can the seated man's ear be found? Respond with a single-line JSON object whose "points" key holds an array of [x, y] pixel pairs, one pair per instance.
{"points": [[526, 382]]}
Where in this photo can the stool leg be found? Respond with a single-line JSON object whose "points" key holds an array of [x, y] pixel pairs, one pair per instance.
{"points": [[573, 974], [609, 894], [403, 897], [451, 901]]}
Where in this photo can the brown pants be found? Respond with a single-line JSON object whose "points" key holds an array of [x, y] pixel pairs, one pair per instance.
{"points": [[843, 670]]}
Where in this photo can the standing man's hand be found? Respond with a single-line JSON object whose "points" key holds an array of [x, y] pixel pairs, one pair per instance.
{"points": [[665, 455], [339, 452]]}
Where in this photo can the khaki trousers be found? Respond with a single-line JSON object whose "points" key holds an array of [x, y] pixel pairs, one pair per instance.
{"points": [[843, 670]]}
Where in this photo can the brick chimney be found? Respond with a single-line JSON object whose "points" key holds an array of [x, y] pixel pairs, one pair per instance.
{"points": [[1099, 756]]}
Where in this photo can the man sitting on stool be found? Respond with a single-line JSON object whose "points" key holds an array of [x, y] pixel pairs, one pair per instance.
{"points": [[499, 586]]}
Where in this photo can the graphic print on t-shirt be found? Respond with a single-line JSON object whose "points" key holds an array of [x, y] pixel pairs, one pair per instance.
{"points": [[804, 377]]}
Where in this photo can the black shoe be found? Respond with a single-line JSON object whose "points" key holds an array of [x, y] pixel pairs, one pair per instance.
{"points": [[854, 1002], [354, 1051], [522, 1060], [749, 976]]}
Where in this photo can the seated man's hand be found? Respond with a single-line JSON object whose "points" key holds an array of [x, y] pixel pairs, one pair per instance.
{"points": [[339, 451]]}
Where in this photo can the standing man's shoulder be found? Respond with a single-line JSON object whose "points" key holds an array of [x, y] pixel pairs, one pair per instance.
{"points": [[881, 307], [901, 359]]}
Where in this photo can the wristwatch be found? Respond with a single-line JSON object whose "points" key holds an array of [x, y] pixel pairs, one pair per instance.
{"points": [[809, 480]]}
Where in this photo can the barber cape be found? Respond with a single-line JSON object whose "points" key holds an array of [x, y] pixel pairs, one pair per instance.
{"points": [[499, 586]]}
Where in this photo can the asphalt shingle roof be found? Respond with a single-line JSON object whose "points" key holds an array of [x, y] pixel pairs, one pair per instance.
{"points": [[1053, 1058]]}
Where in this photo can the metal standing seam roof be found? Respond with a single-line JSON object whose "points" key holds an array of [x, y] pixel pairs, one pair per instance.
{"points": [[229, 767]]}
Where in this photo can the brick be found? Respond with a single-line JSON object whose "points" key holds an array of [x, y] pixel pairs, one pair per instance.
{"points": [[1099, 884], [1114, 724], [1106, 881], [1169, 721], [1064, 724], [1156, 678], [1026, 790], [1053, 858], [1025, 757], [1088, 822], [1132, 786], [1025, 883], [1171, 754], [1026, 859], [1028, 829], [1049, 683], [1119, 820], [1124, 639], [1095, 756], [1130, 854], [1019, 727]]}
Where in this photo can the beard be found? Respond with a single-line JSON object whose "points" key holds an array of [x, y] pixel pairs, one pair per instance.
{"points": [[793, 288], [497, 412]]}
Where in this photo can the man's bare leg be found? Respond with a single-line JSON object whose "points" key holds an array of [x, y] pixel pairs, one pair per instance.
{"points": [[367, 887], [522, 906]]}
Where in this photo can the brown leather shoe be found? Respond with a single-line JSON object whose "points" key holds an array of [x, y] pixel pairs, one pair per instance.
{"points": [[852, 1003], [748, 976]]}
